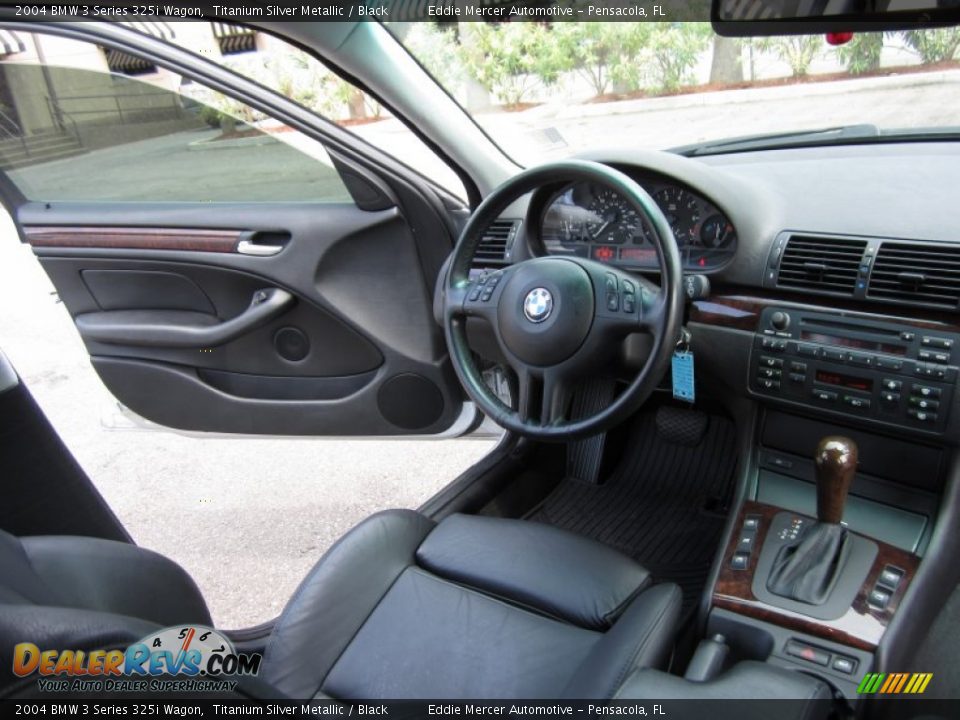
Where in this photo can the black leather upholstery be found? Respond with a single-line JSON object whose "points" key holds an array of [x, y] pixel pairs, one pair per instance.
{"points": [[399, 608], [532, 564], [337, 597], [475, 607], [118, 578]]}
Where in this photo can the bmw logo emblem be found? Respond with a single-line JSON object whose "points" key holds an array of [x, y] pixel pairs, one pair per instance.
{"points": [[538, 305]]}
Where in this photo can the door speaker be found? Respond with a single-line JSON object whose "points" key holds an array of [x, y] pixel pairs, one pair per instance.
{"points": [[291, 343], [410, 401]]}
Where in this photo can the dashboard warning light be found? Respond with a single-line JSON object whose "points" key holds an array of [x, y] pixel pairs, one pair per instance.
{"points": [[702, 262], [604, 253], [839, 38]]}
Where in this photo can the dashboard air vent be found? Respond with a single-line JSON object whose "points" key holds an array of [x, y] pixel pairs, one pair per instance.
{"points": [[822, 264], [919, 273], [494, 247]]}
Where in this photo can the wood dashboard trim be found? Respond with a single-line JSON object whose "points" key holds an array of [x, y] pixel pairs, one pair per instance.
{"points": [[742, 311], [861, 627], [133, 238]]}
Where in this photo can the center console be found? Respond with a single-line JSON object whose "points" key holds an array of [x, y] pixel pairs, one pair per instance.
{"points": [[807, 592], [805, 582]]}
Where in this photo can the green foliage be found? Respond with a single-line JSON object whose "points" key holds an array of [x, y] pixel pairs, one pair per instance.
{"points": [[291, 73], [674, 49], [211, 116], [798, 51], [933, 46], [862, 53], [599, 51], [510, 59], [437, 50], [631, 56]]}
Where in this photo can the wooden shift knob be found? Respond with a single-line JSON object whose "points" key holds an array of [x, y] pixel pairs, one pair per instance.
{"points": [[836, 463]]}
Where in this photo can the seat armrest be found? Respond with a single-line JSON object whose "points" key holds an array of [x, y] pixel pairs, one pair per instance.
{"points": [[532, 564], [812, 699]]}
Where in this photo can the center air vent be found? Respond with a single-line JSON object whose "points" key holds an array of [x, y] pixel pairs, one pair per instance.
{"points": [[920, 273], [821, 264], [494, 247]]}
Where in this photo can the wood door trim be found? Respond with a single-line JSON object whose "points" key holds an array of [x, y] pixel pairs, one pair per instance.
{"points": [[133, 238], [742, 310]]}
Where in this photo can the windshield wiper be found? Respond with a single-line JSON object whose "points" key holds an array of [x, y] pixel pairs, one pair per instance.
{"points": [[769, 141]]}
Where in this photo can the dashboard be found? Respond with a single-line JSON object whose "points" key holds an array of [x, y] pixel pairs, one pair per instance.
{"points": [[863, 233], [595, 222]]}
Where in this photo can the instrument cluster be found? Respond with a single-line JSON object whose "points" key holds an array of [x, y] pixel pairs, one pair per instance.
{"points": [[596, 222]]}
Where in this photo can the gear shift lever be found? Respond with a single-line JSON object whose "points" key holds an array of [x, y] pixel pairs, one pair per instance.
{"points": [[836, 463], [807, 569]]}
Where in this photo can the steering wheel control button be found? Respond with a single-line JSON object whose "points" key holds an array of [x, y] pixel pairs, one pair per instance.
{"points": [[538, 305]]}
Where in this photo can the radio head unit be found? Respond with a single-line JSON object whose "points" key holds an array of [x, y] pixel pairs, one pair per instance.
{"points": [[871, 369]]}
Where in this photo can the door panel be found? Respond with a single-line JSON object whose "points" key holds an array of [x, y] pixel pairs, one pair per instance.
{"points": [[354, 353], [226, 272]]}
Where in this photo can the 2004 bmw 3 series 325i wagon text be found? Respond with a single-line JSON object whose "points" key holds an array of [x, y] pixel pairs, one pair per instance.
{"points": [[696, 267]]}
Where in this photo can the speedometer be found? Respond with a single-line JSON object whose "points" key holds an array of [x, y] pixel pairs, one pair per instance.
{"points": [[614, 221], [682, 212]]}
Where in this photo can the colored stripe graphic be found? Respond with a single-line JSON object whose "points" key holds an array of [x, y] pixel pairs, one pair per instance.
{"points": [[889, 683], [894, 683], [870, 683]]}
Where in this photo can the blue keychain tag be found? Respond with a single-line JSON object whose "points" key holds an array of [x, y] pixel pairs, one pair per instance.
{"points": [[683, 375]]}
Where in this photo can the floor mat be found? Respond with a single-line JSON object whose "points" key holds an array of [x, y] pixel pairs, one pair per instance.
{"points": [[652, 507]]}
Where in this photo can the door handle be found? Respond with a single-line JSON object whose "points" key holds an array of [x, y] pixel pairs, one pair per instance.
{"points": [[248, 247], [180, 329], [262, 243]]}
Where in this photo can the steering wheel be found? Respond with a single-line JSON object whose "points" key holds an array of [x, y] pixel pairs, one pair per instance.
{"points": [[560, 319]]}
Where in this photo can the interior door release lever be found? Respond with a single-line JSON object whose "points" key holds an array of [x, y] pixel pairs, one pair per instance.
{"points": [[262, 243]]}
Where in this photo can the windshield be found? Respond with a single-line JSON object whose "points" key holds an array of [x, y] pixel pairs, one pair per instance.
{"points": [[544, 91]]}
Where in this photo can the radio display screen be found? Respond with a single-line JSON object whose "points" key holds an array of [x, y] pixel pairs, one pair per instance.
{"points": [[851, 342], [847, 381]]}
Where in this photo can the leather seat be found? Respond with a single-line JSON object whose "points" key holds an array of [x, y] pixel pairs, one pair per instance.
{"points": [[400, 607]]}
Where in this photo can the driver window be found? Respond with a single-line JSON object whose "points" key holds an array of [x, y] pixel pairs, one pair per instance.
{"points": [[83, 123]]}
